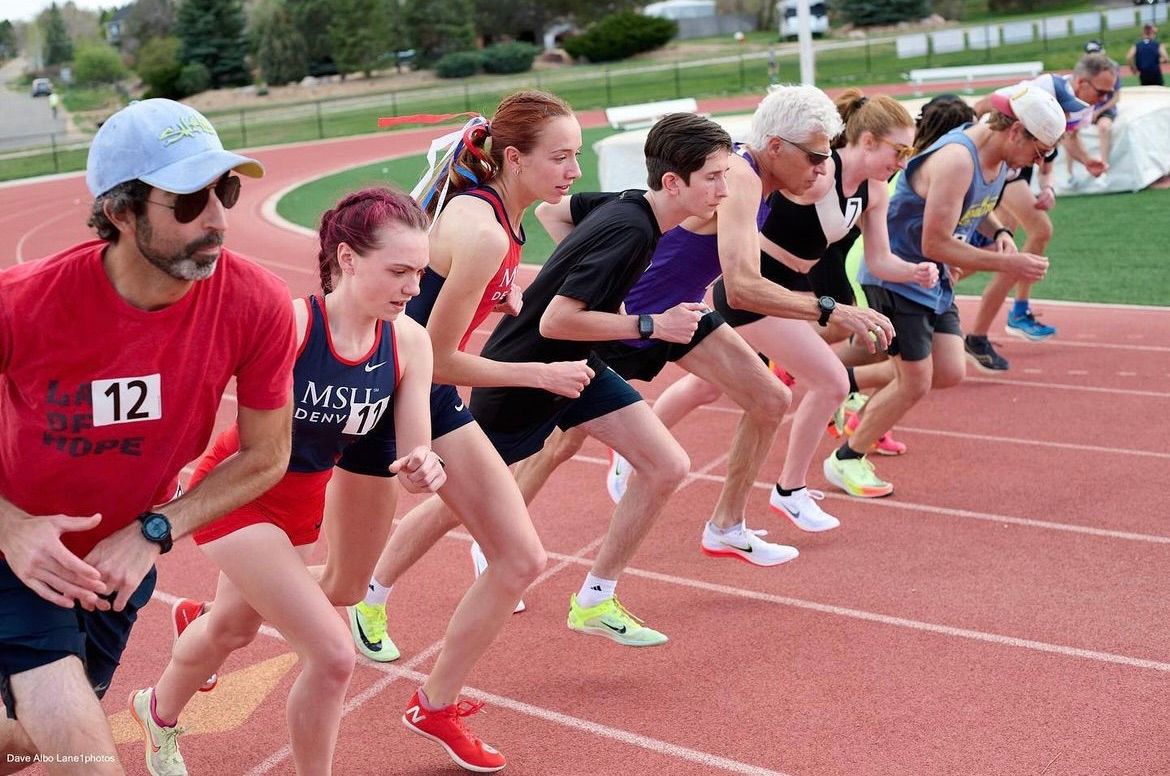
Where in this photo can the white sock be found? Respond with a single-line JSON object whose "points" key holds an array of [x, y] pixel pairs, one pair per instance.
{"points": [[377, 593], [595, 590]]}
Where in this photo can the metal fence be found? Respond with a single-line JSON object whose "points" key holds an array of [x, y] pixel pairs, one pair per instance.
{"points": [[839, 63]]}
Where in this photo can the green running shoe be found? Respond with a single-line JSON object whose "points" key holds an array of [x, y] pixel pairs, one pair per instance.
{"points": [[367, 623], [610, 619]]}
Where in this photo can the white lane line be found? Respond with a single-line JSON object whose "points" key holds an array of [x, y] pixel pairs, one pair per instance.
{"points": [[1078, 371], [966, 514], [1111, 346], [1069, 387], [1036, 442]]}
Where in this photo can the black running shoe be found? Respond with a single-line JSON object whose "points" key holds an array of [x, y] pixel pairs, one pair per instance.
{"points": [[983, 355]]}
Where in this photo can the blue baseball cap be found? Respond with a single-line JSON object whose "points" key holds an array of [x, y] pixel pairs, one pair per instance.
{"points": [[164, 143]]}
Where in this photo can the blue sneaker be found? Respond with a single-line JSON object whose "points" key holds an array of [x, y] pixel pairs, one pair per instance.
{"points": [[1027, 327]]}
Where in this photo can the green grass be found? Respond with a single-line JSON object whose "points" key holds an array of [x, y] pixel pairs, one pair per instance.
{"points": [[304, 204], [1095, 256], [86, 98], [594, 86]]}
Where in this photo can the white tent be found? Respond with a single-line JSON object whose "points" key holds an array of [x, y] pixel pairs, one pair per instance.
{"points": [[681, 9]]}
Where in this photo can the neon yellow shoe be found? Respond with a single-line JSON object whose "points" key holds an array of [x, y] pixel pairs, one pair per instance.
{"points": [[367, 623], [856, 477], [847, 414], [610, 619]]}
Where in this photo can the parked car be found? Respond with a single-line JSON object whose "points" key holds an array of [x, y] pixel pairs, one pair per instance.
{"points": [[818, 18], [42, 87], [1146, 2]]}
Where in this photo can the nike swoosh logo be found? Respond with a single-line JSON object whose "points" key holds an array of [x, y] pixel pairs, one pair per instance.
{"points": [[459, 407], [737, 547], [615, 630], [372, 367], [362, 635], [794, 512]]}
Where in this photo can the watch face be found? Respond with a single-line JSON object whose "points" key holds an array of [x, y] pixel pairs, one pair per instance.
{"points": [[156, 527]]}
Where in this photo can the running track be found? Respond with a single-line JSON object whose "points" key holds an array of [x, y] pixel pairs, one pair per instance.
{"points": [[1002, 613]]}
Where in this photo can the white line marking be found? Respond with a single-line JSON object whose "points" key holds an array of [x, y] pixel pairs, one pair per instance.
{"points": [[1111, 346], [947, 511], [1066, 386], [1037, 442], [1078, 371], [1127, 374]]}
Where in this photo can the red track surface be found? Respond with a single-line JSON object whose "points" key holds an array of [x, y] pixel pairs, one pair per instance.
{"points": [[1000, 614]]}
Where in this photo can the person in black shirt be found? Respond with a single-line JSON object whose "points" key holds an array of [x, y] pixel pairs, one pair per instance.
{"points": [[574, 303]]}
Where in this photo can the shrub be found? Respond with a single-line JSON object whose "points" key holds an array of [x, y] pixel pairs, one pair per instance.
{"points": [[458, 64], [621, 35], [98, 64], [868, 12], [194, 78], [159, 67], [509, 57]]}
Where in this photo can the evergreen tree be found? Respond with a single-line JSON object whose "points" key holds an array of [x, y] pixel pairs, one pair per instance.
{"points": [[311, 18], [58, 46], [7, 39], [438, 27], [280, 48], [212, 34], [360, 35]]}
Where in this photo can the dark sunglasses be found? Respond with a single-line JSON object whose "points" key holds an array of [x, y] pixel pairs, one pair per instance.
{"points": [[814, 157], [187, 207]]}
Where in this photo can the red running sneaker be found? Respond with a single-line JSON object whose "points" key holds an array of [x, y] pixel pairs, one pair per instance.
{"points": [[781, 373], [445, 727], [183, 613]]}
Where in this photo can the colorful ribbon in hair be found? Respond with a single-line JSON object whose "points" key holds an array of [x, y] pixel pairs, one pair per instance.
{"points": [[474, 135]]}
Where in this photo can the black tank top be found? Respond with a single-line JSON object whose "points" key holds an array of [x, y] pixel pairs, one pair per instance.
{"points": [[806, 231]]}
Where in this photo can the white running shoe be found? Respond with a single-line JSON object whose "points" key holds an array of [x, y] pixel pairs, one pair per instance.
{"points": [[803, 510], [618, 476], [480, 563], [744, 543], [162, 743]]}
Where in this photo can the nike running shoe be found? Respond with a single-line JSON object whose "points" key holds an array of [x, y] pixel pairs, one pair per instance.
{"points": [[886, 444], [981, 353], [610, 619], [856, 477], [162, 743], [1027, 327], [781, 373], [618, 476], [746, 544], [845, 418], [479, 563], [367, 624], [445, 727], [802, 509], [183, 613]]}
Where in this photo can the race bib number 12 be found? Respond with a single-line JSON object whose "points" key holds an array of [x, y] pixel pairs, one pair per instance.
{"points": [[127, 400]]}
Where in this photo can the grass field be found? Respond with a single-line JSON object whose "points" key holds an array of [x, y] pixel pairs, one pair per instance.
{"points": [[1105, 248], [595, 86]]}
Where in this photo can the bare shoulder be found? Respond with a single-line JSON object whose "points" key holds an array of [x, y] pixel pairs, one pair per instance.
{"points": [[411, 336], [471, 221], [300, 307]]}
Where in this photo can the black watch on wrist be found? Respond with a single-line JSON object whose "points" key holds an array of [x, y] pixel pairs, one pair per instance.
{"points": [[645, 326], [157, 529], [826, 304]]}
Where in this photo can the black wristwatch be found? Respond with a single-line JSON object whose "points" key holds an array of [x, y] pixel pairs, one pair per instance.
{"points": [[645, 326], [826, 304], [157, 529]]}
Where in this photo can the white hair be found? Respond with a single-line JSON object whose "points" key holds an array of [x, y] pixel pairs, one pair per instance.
{"points": [[796, 113]]}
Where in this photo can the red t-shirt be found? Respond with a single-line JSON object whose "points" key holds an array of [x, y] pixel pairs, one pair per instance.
{"points": [[102, 404]]}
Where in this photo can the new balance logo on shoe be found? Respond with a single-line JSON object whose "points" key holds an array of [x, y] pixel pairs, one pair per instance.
{"points": [[416, 714], [615, 630]]}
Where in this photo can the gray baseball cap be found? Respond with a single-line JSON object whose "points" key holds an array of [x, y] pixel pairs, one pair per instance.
{"points": [[164, 143]]}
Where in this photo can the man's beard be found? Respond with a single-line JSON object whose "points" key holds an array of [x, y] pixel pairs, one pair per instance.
{"points": [[185, 264]]}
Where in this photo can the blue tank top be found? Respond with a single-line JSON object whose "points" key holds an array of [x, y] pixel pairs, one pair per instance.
{"points": [[1146, 55], [683, 265], [335, 401], [905, 222]]}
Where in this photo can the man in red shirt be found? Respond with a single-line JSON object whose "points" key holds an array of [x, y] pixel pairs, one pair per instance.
{"points": [[114, 355]]}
